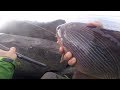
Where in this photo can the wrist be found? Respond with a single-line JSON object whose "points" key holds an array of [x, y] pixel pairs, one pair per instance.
{"points": [[13, 57], [8, 60]]}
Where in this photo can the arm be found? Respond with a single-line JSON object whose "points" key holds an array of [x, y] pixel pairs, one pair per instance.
{"points": [[6, 68], [7, 63]]}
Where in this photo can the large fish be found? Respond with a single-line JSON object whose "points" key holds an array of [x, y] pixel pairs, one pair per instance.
{"points": [[96, 49], [41, 50], [32, 29]]}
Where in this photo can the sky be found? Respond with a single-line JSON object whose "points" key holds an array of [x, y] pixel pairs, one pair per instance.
{"points": [[46, 16]]}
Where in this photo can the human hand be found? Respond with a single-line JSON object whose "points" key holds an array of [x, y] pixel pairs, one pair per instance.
{"points": [[9, 54]]}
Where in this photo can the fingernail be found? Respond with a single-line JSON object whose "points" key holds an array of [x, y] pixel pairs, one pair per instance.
{"points": [[68, 55], [72, 61], [61, 49]]}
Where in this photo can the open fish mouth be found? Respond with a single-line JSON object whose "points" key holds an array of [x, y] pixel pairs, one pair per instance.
{"points": [[97, 50]]}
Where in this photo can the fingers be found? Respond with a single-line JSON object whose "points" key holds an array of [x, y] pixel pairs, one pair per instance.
{"points": [[95, 23], [68, 55], [12, 50], [72, 61], [61, 50], [12, 53]]}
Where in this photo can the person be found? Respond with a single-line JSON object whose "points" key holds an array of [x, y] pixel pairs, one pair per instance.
{"points": [[8, 61]]}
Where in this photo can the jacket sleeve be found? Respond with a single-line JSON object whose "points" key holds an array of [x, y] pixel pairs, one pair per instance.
{"points": [[6, 68]]}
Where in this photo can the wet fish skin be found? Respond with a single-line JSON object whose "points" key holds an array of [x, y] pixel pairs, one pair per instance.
{"points": [[97, 50], [42, 50]]}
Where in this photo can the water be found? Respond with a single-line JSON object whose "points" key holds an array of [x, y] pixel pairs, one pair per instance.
{"points": [[111, 22], [109, 19]]}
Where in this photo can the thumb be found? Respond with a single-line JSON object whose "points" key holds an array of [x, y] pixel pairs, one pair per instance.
{"points": [[95, 24], [12, 49]]}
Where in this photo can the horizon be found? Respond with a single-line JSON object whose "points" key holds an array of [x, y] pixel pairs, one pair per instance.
{"points": [[48, 16]]}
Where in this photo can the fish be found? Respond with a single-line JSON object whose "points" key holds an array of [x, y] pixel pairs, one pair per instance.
{"points": [[96, 49], [36, 40], [39, 49]]}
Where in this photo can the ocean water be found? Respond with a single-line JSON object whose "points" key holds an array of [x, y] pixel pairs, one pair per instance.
{"points": [[111, 22], [109, 19]]}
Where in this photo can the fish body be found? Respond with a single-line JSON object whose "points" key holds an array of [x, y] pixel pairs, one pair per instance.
{"points": [[96, 49]]}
